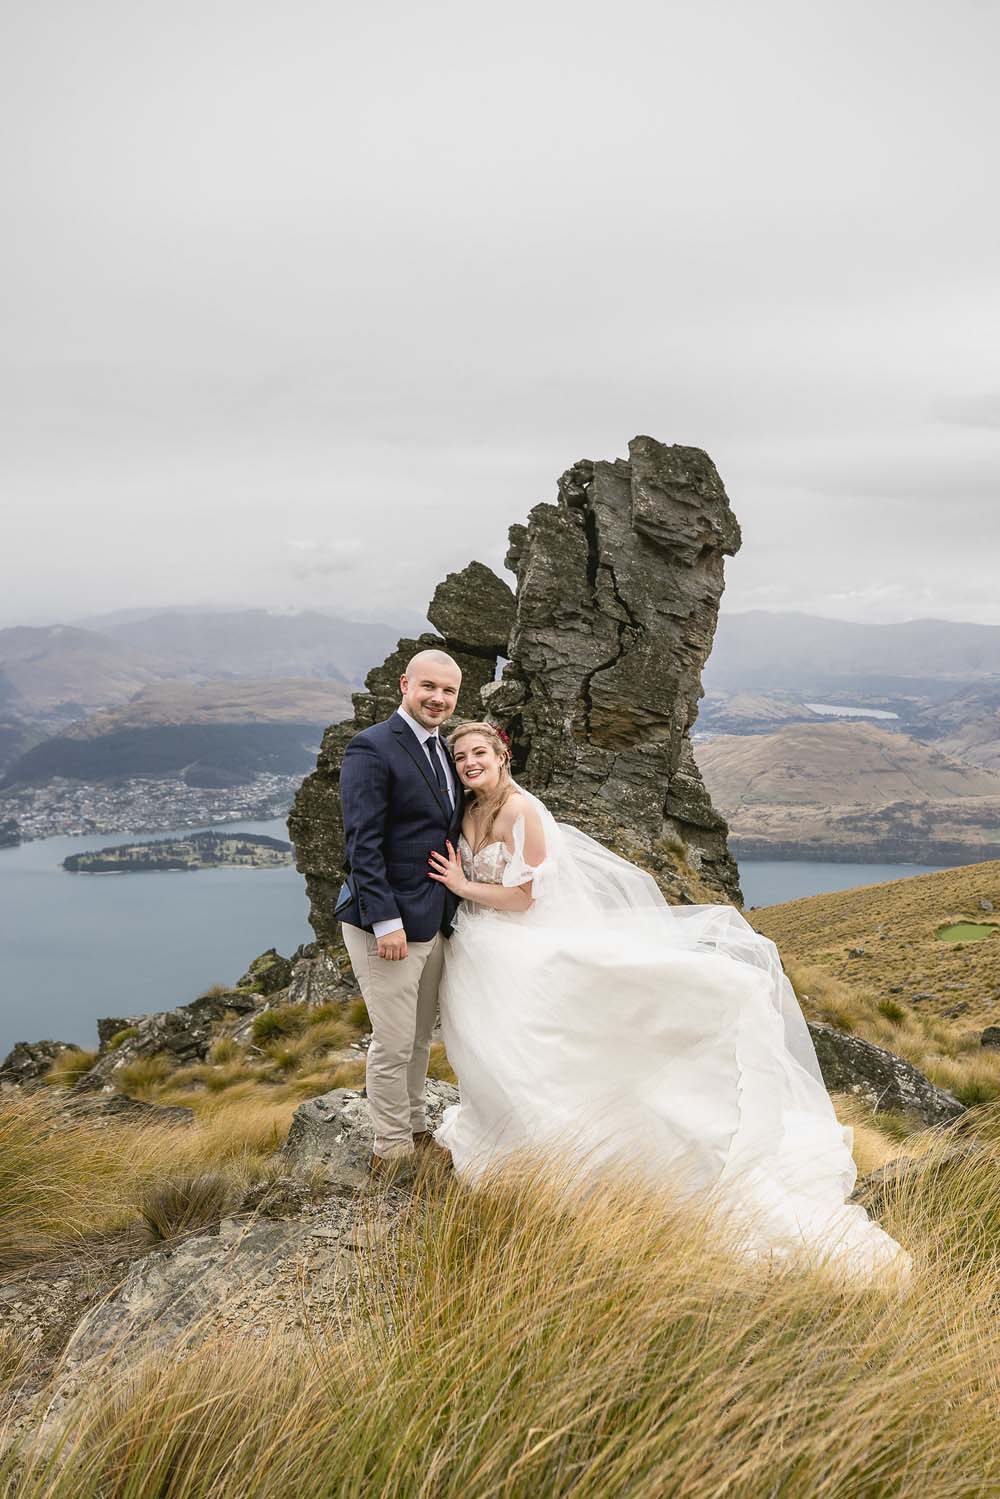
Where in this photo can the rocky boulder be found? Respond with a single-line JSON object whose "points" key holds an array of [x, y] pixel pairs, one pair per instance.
{"points": [[266, 974], [883, 1080], [27, 1061], [184, 1035], [321, 975], [334, 1131], [110, 1026], [618, 595], [120, 1106], [878, 1187]]}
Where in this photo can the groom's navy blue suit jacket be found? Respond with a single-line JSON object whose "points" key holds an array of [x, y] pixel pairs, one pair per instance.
{"points": [[394, 814]]}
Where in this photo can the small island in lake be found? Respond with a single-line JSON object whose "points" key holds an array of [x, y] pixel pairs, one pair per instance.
{"points": [[198, 851]]}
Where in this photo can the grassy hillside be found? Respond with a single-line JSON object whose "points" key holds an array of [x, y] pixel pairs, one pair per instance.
{"points": [[850, 791], [896, 923], [832, 765], [522, 1341], [268, 700]]}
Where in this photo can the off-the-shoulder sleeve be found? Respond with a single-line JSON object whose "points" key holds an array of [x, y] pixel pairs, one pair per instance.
{"points": [[517, 872]]}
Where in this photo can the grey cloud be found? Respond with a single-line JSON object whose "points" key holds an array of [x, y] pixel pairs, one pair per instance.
{"points": [[370, 278]]}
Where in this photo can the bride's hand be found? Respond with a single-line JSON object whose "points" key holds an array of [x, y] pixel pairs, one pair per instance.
{"points": [[448, 871]]}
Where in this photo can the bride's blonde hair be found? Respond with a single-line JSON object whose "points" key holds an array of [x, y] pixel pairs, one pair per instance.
{"points": [[490, 804]]}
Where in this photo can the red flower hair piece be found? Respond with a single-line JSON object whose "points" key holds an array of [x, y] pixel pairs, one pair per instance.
{"points": [[502, 734]]}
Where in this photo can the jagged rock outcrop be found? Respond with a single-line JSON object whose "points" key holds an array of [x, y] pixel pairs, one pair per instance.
{"points": [[267, 973], [27, 1062], [184, 1035], [334, 1131], [883, 1080], [618, 595], [473, 610], [320, 976]]}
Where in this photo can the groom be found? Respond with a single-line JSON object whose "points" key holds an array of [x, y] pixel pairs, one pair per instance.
{"points": [[401, 798]]}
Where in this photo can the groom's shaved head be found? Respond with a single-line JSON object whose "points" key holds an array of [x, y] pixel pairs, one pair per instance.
{"points": [[424, 659], [430, 686]]}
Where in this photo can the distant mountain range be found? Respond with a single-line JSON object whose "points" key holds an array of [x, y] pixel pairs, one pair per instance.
{"points": [[57, 675], [217, 693], [850, 791], [764, 651], [61, 672], [210, 733], [257, 643]]}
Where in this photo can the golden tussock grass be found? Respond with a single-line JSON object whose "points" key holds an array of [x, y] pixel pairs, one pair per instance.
{"points": [[68, 1066], [948, 1051], [896, 923], [66, 1183], [528, 1339]]}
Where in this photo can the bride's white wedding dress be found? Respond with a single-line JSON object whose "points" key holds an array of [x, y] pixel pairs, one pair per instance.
{"points": [[616, 1027]]}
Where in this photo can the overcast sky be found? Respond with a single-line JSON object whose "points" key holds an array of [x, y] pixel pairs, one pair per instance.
{"points": [[306, 303]]}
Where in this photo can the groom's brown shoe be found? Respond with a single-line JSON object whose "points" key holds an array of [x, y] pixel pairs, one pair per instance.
{"points": [[398, 1164], [430, 1153]]}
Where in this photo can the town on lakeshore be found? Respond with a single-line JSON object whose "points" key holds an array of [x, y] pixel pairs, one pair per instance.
{"points": [[206, 850], [139, 804]]}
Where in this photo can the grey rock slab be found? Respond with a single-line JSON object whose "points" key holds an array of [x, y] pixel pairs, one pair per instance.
{"points": [[906, 1171], [322, 979], [167, 1293], [27, 1061], [334, 1130], [885, 1081]]}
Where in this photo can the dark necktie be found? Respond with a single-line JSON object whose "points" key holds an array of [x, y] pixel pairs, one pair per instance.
{"points": [[432, 750]]}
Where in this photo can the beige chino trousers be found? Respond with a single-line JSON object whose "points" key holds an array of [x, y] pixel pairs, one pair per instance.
{"points": [[402, 1002]]}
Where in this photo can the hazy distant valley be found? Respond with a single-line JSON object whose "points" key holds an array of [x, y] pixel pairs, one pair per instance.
{"points": [[817, 738], [170, 719], [855, 743]]}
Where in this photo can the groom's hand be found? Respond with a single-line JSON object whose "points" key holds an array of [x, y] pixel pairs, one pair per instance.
{"points": [[392, 946]]}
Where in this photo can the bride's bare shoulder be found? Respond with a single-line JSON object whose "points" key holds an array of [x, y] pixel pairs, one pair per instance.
{"points": [[519, 805], [516, 805]]}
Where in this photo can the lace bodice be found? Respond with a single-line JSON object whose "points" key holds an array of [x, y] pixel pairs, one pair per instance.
{"points": [[497, 865], [488, 865]]}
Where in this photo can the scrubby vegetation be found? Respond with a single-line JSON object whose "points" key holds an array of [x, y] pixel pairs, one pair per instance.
{"points": [[527, 1342], [949, 1051], [885, 938], [523, 1340], [67, 1184]]}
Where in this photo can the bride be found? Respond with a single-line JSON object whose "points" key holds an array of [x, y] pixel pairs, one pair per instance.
{"points": [[581, 1011]]}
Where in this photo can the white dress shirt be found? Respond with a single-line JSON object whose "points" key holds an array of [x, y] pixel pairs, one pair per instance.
{"points": [[383, 928]]}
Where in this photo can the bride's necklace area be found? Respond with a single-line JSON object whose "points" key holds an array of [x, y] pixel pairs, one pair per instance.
{"points": [[473, 813]]}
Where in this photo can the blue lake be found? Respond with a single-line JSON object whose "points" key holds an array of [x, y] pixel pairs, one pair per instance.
{"points": [[768, 882], [75, 947]]}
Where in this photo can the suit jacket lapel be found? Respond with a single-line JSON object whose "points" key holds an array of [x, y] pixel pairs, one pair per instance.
{"points": [[418, 755], [458, 813]]}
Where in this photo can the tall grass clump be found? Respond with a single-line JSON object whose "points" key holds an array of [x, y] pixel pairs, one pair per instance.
{"points": [[531, 1339], [68, 1067], [66, 1183]]}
